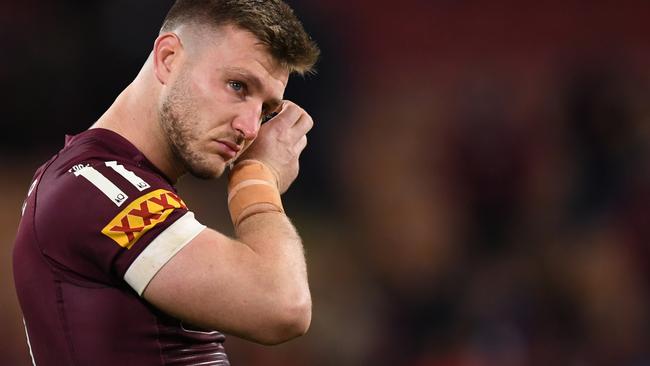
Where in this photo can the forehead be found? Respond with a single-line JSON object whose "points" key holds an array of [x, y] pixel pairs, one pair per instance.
{"points": [[230, 47]]}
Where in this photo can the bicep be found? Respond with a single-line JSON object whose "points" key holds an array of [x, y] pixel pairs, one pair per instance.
{"points": [[214, 282]]}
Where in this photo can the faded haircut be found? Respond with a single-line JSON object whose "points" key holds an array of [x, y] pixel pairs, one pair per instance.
{"points": [[272, 21]]}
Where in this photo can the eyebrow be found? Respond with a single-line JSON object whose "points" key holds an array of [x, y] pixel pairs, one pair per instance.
{"points": [[256, 83]]}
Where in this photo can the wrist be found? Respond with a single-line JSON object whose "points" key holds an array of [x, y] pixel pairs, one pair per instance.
{"points": [[252, 189]]}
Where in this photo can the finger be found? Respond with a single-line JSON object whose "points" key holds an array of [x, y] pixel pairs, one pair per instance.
{"points": [[287, 116], [301, 127]]}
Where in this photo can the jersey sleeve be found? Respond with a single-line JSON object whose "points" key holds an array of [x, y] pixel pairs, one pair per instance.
{"points": [[111, 222]]}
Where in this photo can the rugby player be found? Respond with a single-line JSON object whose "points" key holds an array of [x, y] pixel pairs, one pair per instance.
{"points": [[111, 266]]}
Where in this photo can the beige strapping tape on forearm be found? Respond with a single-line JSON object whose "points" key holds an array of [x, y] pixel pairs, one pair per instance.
{"points": [[251, 183]]}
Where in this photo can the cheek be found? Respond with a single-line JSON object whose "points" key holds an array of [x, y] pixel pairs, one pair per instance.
{"points": [[210, 104], [208, 88]]}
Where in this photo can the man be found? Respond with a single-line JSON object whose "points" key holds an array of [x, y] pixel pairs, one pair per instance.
{"points": [[111, 267]]}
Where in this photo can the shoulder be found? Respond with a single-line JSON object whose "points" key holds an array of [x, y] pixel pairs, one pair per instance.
{"points": [[93, 202], [100, 165], [90, 187]]}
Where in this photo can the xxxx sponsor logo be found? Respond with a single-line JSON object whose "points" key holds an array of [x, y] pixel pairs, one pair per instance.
{"points": [[141, 215]]}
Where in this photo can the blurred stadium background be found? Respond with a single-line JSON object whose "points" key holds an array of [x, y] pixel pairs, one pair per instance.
{"points": [[476, 190]]}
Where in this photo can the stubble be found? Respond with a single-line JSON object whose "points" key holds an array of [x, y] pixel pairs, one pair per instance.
{"points": [[179, 121]]}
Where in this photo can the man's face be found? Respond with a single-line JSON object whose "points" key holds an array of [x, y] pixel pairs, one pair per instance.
{"points": [[212, 107]]}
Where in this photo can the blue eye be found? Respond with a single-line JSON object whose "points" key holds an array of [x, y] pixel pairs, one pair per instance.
{"points": [[236, 86]]}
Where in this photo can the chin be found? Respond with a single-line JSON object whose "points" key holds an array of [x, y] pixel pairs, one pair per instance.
{"points": [[205, 170]]}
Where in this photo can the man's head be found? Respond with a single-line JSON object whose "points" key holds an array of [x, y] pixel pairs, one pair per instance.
{"points": [[222, 66]]}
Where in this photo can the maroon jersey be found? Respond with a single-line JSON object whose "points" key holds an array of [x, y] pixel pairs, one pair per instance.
{"points": [[99, 221]]}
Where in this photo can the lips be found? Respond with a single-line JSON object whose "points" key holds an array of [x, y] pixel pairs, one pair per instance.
{"points": [[227, 148]]}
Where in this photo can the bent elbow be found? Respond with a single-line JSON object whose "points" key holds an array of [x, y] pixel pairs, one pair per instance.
{"points": [[297, 320], [291, 322]]}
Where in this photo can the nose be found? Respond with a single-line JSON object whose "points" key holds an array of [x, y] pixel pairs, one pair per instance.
{"points": [[247, 122]]}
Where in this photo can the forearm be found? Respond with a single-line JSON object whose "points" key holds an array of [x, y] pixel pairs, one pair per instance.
{"points": [[277, 244], [281, 273], [260, 223], [278, 269]]}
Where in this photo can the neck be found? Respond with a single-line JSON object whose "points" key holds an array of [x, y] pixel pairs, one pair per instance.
{"points": [[134, 116]]}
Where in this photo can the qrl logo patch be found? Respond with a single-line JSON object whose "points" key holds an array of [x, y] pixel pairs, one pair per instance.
{"points": [[141, 215]]}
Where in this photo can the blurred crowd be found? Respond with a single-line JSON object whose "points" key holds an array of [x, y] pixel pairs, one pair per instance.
{"points": [[476, 191]]}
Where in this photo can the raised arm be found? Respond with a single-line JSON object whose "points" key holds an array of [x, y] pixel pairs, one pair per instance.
{"points": [[255, 285]]}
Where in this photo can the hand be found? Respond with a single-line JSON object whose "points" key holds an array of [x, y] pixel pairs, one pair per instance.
{"points": [[280, 142]]}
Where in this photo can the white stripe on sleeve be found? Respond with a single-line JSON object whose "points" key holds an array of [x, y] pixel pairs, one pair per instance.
{"points": [[161, 250], [133, 178], [106, 186]]}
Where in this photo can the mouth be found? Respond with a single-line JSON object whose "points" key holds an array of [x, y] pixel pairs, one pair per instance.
{"points": [[227, 148]]}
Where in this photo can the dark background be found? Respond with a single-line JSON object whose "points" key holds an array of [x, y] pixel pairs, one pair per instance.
{"points": [[475, 190]]}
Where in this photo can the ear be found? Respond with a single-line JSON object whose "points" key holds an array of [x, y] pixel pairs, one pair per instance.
{"points": [[166, 55]]}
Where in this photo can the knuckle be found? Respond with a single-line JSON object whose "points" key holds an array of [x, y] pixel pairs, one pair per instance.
{"points": [[290, 105], [295, 107]]}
